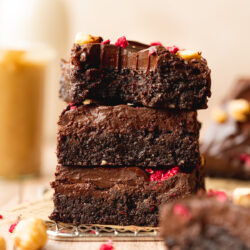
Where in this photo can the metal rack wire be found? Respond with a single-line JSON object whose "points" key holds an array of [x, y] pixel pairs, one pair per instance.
{"points": [[69, 232]]}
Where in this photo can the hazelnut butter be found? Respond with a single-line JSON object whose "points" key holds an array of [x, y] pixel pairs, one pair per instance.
{"points": [[22, 79]]}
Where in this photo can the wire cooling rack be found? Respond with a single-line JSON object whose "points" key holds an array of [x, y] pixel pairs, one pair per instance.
{"points": [[69, 232]]}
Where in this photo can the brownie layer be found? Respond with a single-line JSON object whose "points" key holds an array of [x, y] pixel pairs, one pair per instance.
{"points": [[117, 196], [205, 223], [226, 145], [91, 135], [139, 74]]}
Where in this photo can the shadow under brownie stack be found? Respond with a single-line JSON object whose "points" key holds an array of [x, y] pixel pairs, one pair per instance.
{"points": [[128, 140]]}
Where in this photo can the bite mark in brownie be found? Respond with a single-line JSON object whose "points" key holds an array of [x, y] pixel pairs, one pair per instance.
{"points": [[92, 135], [209, 224], [117, 196], [114, 75]]}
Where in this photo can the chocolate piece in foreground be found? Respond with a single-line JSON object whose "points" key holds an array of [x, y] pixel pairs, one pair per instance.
{"points": [[118, 196], [206, 224], [226, 145], [144, 75], [91, 135]]}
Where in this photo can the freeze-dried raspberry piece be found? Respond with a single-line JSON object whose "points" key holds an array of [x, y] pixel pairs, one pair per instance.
{"points": [[155, 43], [182, 210], [162, 175], [106, 42], [107, 246], [13, 226], [122, 42], [219, 195], [173, 49]]}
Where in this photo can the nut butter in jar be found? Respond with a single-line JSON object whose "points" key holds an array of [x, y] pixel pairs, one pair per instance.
{"points": [[22, 81]]}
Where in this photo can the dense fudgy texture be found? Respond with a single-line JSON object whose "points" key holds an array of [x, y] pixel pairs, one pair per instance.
{"points": [[205, 224], [226, 146], [139, 74], [92, 135], [117, 196]]}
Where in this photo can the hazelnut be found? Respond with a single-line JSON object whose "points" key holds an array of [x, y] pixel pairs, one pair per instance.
{"points": [[87, 102], [241, 196], [2, 243], [30, 234], [219, 115], [239, 109], [189, 54], [81, 38]]}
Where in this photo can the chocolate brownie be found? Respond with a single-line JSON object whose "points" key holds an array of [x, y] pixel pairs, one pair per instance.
{"points": [[122, 135], [144, 75], [119, 196], [226, 145], [206, 224]]}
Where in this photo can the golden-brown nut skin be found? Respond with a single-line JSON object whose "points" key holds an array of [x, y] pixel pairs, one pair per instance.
{"points": [[30, 234]]}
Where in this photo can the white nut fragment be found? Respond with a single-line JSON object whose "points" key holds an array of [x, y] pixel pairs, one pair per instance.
{"points": [[30, 234], [2, 243], [239, 109], [82, 38], [104, 163], [189, 54], [219, 115], [241, 196]]}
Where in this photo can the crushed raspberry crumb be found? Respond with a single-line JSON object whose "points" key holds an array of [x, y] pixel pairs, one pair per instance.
{"points": [[92, 232], [245, 158], [107, 246], [173, 49], [180, 209], [73, 107], [155, 43], [122, 42], [13, 226], [219, 195], [106, 42], [1, 217], [162, 175]]}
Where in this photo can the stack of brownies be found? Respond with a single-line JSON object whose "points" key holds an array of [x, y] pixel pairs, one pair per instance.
{"points": [[128, 139]]}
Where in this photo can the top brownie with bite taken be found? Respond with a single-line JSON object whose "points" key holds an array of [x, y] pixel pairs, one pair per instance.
{"points": [[131, 72]]}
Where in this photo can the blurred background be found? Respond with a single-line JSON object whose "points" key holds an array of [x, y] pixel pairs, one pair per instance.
{"points": [[220, 29]]}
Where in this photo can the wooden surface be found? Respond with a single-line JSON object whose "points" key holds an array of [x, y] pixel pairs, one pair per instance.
{"points": [[22, 197]]}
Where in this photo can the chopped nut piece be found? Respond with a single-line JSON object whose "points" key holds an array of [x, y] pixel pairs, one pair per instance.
{"points": [[189, 54], [87, 102], [239, 109], [30, 234], [2, 243], [241, 196], [103, 162], [219, 115], [84, 38]]}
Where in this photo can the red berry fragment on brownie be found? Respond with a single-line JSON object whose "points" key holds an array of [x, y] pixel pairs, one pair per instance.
{"points": [[122, 42], [106, 41], [173, 49], [219, 195], [182, 210], [162, 175], [155, 43]]}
